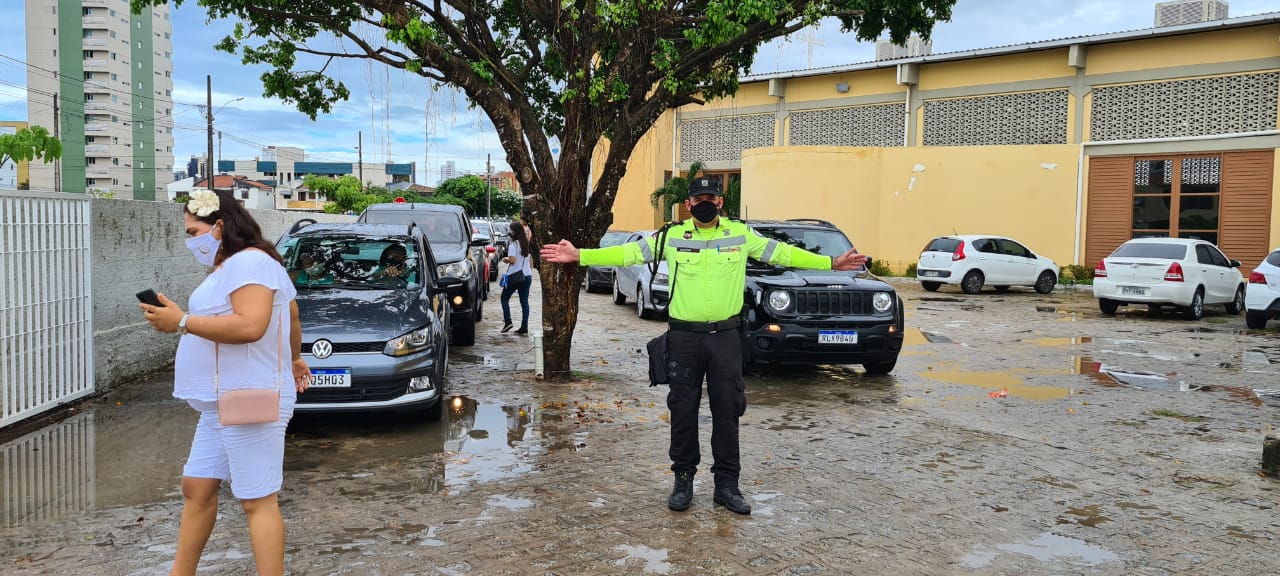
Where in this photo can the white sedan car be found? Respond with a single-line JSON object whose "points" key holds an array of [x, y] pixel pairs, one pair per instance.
{"points": [[1262, 299], [633, 282], [976, 260], [1159, 272]]}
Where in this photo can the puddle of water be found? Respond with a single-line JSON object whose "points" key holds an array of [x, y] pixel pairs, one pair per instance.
{"points": [[1268, 396], [1060, 342], [1090, 516], [1114, 377], [918, 337], [510, 503], [91, 460], [654, 559], [997, 381], [1049, 547]]}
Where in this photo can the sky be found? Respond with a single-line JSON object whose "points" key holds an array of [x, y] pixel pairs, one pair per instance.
{"points": [[399, 118]]}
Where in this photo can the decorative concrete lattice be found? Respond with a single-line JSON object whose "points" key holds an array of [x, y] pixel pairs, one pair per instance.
{"points": [[1201, 170], [875, 125], [1024, 118], [1195, 107], [721, 139], [1142, 172]]}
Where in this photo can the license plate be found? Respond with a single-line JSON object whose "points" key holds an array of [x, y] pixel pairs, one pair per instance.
{"points": [[837, 337], [930, 273], [1133, 291], [330, 378]]}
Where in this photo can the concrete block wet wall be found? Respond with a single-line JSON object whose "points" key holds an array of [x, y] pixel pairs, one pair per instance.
{"points": [[139, 245]]}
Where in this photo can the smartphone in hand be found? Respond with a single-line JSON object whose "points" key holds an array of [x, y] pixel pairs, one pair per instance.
{"points": [[148, 296]]}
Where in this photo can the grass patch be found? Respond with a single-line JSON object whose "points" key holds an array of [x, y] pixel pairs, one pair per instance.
{"points": [[1215, 320], [1179, 416], [579, 375]]}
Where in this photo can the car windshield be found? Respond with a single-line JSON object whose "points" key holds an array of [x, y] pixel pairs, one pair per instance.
{"points": [[351, 262], [613, 238], [1162, 250], [440, 227], [817, 240], [947, 245]]}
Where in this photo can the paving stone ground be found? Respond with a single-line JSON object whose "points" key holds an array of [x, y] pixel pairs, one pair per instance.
{"points": [[919, 472]]}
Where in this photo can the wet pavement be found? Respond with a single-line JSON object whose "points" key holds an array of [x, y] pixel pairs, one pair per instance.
{"points": [[1019, 434]]}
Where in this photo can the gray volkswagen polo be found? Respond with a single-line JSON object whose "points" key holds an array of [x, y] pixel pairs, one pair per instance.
{"points": [[374, 316]]}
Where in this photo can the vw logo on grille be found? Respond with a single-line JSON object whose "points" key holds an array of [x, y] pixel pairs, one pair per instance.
{"points": [[322, 348]]}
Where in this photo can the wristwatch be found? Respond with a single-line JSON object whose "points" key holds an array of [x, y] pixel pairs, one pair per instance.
{"points": [[182, 324]]}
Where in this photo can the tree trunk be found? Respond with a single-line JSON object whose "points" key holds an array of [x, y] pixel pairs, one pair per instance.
{"points": [[560, 284]]}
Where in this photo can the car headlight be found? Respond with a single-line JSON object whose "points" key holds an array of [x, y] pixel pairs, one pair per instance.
{"points": [[882, 301], [460, 270], [779, 300], [660, 278], [415, 341]]}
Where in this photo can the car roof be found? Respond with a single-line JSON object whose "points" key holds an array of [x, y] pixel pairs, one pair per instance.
{"points": [[796, 223], [972, 237], [353, 228], [1183, 241], [427, 206]]}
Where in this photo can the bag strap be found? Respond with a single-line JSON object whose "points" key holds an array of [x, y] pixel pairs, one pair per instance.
{"points": [[217, 376], [661, 237]]}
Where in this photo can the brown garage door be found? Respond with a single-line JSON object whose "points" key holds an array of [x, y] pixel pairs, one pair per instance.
{"points": [[1178, 195]]}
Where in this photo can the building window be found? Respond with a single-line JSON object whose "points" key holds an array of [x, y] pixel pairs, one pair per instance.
{"points": [[87, 54], [115, 161], [244, 194], [1188, 187], [142, 163], [139, 44], [139, 65], [113, 33], [113, 76], [113, 57], [115, 181], [87, 12], [139, 23]]}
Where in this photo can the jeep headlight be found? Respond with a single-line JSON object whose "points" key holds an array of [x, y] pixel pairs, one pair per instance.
{"points": [[660, 279], [460, 270], [779, 300], [882, 302], [415, 341]]}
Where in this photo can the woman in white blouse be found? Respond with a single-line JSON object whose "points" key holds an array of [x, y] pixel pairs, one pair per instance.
{"points": [[243, 324]]}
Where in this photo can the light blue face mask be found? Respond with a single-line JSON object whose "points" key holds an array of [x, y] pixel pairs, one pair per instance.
{"points": [[205, 247]]}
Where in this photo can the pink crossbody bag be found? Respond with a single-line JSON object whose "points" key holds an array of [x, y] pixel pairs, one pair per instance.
{"points": [[238, 407]]}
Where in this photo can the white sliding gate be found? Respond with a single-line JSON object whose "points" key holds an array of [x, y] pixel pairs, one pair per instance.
{"points": [[46, 309]]}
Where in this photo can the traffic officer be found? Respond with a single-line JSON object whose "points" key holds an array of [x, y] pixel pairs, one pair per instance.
{"points": [[707, 262]]}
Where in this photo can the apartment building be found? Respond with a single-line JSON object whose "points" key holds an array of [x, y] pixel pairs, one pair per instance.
{"points": [[109, 73]]}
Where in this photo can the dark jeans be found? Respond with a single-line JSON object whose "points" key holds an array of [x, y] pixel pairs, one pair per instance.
{"points": [[718, 357], [523, 288]]}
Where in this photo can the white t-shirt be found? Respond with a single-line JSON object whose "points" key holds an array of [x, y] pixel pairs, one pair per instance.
{"points": [[522, 261], [252, 365]]}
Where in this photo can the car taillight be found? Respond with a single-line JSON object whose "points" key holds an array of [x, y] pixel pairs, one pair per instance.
{"points": [[959, 253], [1174, 273], [1100, 271], [1257, 278]]}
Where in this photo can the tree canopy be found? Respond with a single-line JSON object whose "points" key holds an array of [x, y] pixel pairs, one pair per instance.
{"points": [[584, 72], [27, 144]]}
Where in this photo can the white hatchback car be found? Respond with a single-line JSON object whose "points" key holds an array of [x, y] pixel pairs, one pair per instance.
{"points": [[973, 261], [1262, 298], [1159, 272]]}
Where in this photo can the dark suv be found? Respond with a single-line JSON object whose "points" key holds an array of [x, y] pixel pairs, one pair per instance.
{"points": [[458, 254], [819, 316], [374, 317]]}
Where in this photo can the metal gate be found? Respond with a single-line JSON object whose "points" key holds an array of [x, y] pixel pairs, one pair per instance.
{"points": [[46, 309]]}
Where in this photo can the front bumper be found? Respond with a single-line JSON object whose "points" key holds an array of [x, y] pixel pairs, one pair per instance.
{"points": [[797, 342], [378, 383]]}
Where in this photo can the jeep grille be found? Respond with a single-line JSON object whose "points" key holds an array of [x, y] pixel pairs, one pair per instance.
{"points": [[844, 302]]}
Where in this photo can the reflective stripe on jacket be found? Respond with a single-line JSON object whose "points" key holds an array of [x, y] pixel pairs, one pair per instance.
{"points": [[707, 266]]}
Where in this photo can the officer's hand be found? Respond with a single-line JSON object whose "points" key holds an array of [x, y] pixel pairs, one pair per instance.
{"points": [[564, 252], [850, 260]]}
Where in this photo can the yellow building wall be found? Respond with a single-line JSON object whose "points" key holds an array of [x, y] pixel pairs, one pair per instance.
{"points": [[861, 83], [645, 173], [754, 94], [24, 176], [891, 201], [992, 70], [1206, 48]]}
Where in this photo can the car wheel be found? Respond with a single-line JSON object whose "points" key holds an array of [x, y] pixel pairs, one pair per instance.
{"points": [[1255, 319], [880, 368], [972, 283], [1108, 307], [464, 333], [930, 286], [618, 297], [641, 310], [1196, 310], [1046, 281], [1237, 304]]}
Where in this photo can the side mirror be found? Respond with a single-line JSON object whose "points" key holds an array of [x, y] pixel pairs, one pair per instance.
{"points": [[448, 282], [867, 267], [1235, 263]]}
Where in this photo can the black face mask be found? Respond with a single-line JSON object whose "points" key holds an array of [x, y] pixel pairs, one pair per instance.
{"points": [[705, 212]]}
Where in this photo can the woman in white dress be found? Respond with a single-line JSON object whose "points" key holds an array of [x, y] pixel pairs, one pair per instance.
{"points": [[243, 325]]}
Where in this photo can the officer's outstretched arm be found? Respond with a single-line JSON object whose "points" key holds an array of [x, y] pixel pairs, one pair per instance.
{"points": [[628, 254], [782, 254]]}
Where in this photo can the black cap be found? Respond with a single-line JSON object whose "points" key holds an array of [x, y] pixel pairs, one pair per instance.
{"points": [[704, 185]]}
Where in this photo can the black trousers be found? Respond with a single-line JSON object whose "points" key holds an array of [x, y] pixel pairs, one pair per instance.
{"points": [[718, 357]]}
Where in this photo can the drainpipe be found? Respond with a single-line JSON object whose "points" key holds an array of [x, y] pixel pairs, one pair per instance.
{"points": [[1080, 164], [537, 355]]}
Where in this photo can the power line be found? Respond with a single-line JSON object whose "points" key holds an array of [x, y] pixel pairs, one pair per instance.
{"points": [[55, 75]]}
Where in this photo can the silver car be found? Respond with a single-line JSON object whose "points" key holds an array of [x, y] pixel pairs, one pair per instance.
{"points": [[632, 282]]}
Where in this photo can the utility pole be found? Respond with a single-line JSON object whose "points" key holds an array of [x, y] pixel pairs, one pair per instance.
{"points": [[57, 133], [360, 157], [208, 172], [488, 186]]}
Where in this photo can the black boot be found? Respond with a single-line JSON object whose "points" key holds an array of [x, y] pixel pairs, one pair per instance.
{"points": [[731, 498], [682, 493]]}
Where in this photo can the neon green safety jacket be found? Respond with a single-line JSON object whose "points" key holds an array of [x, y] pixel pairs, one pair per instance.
{"points": [[707, 267]]}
